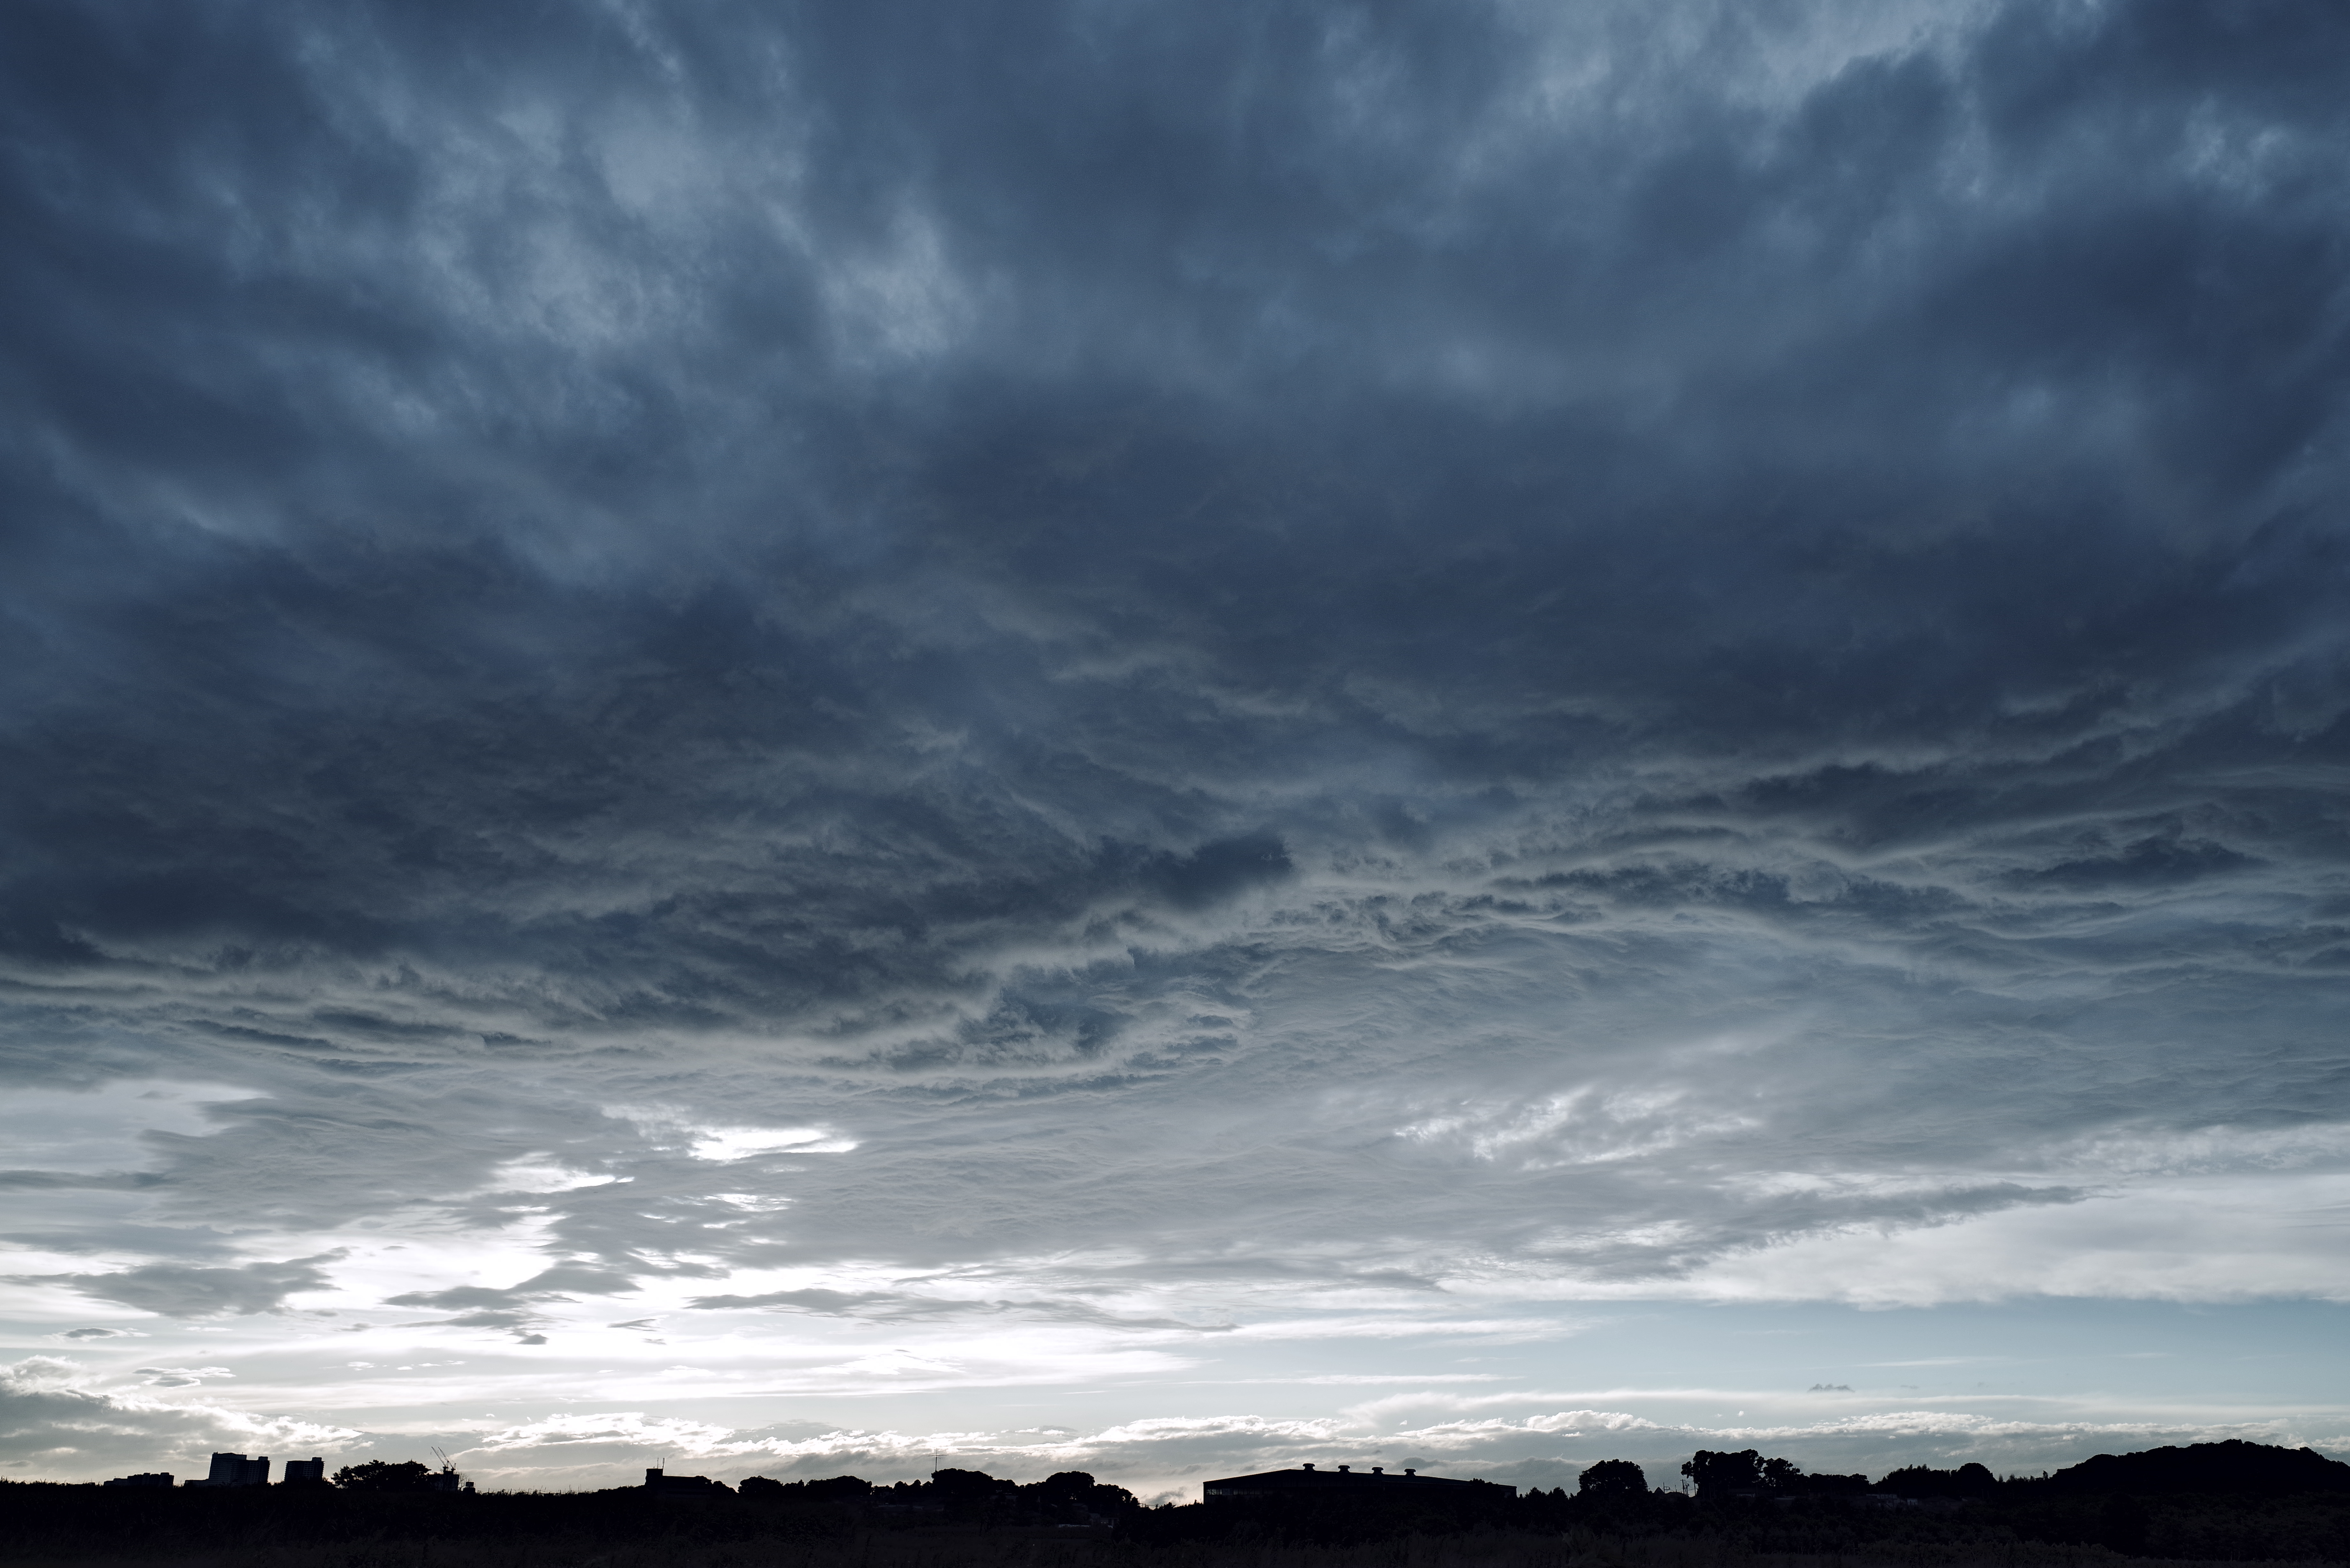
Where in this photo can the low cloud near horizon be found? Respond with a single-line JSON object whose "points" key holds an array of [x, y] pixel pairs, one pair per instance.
{"points": [[739, 709]]}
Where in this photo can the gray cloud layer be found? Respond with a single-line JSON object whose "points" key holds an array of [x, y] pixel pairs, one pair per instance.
{"points": [[1267, 644]]}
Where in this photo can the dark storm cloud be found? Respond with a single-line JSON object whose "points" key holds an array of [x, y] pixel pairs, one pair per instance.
{"points": [[1194, 621], [177, 1289]]}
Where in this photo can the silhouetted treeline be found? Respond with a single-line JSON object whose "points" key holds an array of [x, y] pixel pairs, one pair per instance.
{"points": [[383, 1475], [2237, 1501], [45, 1521], [2211, 1502], [42, 1520], [2235, 1468], [1071, 1499]]}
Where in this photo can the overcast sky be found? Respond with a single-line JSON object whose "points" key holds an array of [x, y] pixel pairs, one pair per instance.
{"points": [[1171, 737]]}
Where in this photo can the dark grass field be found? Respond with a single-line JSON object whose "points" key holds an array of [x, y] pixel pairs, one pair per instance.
{"points": [[707, 1542], [2027, 1525], [896, 1549]]}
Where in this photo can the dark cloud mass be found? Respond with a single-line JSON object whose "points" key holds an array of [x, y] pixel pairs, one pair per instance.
{"points": [[1074, 646], [178, 1290]]}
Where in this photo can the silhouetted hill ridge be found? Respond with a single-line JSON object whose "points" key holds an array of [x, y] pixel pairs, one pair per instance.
{"points": [[2235, 1466]]}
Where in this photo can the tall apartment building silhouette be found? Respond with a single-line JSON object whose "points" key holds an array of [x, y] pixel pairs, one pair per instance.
{"points": [[235, 1470]]}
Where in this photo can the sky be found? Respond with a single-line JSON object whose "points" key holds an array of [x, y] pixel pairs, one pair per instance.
{"points": [[799, 739]]}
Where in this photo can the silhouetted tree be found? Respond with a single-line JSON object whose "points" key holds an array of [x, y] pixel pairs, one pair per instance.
{"points": [[840, 1488], [831, 1489], [1923, 1481], [1718, 1475], [1612, 1478], [377, 1475], [1074, 1496], [1787, 1478]]}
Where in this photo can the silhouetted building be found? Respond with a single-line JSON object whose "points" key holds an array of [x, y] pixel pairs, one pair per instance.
{"points": [[235, 1470], [162, 1478], [660, 1485], [303, 1471], [1306, 1483]]}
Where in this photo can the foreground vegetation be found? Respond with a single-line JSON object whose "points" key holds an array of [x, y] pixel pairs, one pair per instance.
{"points": [[91, 1528]]}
